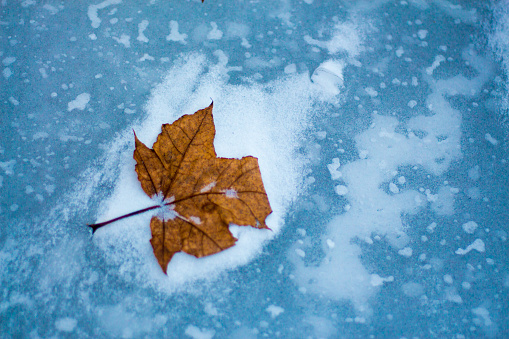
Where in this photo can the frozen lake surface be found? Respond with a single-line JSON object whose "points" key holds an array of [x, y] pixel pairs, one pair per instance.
{"points": [[382, 137]]}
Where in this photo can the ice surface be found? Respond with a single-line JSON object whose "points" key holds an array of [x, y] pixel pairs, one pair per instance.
{"points": [[381, 132]]}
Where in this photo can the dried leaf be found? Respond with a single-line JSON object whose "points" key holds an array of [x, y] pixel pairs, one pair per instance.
{"points": [[205, 193]]}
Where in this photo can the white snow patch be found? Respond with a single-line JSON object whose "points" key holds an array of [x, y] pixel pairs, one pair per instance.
{"points": [[323, 327], [470, 227], [66, 324], [333, 169], [422, 34], [7, 72], [490, 139], [142, 26], [473, 173], [8, 166], [477, 245], [412, 289], [438, 60], [271, 130], [146, 57], [377, 280], [371, 92], [346, 38], [8, 60], [215, 33], [274, 311], [231, 193], [174, 33], [79, 103], [93, 11], [329, 76], [382, 151], [208, 187], [484, 314], [406, 252], [124, 40], [291, 68], [196, 333]]}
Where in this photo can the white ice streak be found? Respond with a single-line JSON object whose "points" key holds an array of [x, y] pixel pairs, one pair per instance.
{"points": [[341, 274]]}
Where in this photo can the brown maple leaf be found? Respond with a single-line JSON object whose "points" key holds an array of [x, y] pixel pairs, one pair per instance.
{"points": [[204, 193]]}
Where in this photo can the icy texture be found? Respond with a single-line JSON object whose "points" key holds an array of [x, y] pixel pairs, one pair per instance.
{"points": [[382, 141]]}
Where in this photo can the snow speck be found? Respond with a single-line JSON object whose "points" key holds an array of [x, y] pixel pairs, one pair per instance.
{"points": [[377, 280], [330, 243], [274, 310], [483, 313], [79, 103], [333, 169], [8, 166], [346, 38], [448, 279], [195, 220], [438, 60], [146, 57], [406, 252], [412, 103], [371, 92], [142, 26], [300, 252], [215, 33], [412, 289], [124, 40], [66, 324], [422, 34], [341, 190], [208, 187], [9, 60], [7, 72], [469, 227], [40, 135], [393, 188], [291, 68], [231, 193], [490, 139], [473, 173], [93, 11], [196, 333], [477, 245], [329, 76], [174, 33]]}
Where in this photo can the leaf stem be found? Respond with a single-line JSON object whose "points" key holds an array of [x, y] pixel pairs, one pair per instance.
{"points": [[95, 227]]}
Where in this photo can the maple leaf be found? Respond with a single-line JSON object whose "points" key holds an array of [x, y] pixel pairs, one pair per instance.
{"points": [[204, 193]]}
